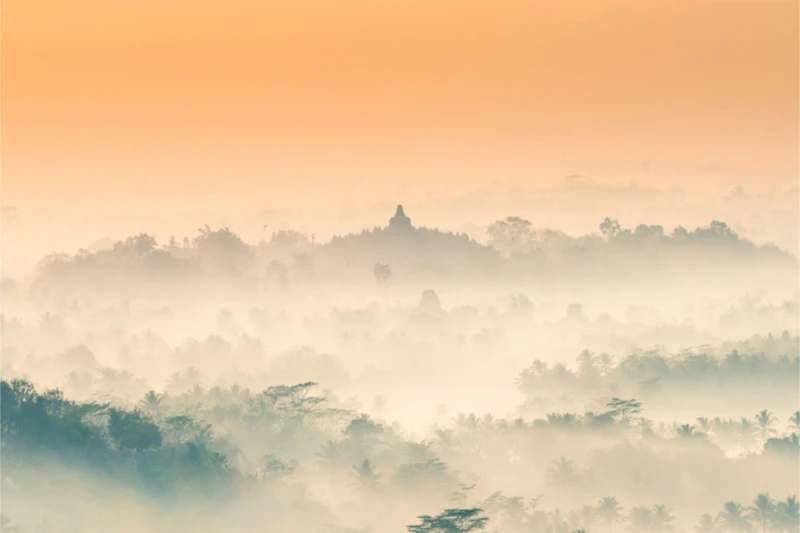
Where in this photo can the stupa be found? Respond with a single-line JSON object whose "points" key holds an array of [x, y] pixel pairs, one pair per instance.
{"points": [[400, 221]]}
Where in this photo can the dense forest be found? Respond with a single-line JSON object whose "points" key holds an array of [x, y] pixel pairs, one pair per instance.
{"points": [[516, 252], [217, 445], [405, 379]]}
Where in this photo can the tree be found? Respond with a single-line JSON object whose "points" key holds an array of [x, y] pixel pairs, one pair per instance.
{"points": [[641, 520], [624, 409], [609, 510], [762, 510], [662, 519], [514, 234], [151, 402], [362, 429], [706, 524], [686, 431], [764, 420], [451, 521], [295, 401], [332, 455], [273, 468], [733, 519], [788, 446], [787, 515], [382, 272], [609, 227], [562, 472], [184, 428], [605, 363], [222, 250], [794, 423], [133, 432], [365, 474], [587, 366]]}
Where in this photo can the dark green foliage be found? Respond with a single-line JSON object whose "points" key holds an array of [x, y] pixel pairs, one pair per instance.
{"points": [[789, 445], [93, 436], [133, 431], [35, 421], [295, 401], [451, 521]]}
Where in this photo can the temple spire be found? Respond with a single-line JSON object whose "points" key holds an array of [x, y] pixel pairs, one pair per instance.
{"points": [[400, 220]]}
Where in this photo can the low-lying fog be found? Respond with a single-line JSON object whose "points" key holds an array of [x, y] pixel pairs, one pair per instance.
{"points": [[640, 379]]}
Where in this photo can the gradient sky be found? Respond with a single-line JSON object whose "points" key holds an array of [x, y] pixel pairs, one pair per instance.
{"points": [[121, 109]]}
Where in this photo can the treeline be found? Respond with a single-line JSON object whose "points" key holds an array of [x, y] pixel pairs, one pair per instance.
{"points": [[516, 249], [217, 443], [515, 515], [652, 374]]}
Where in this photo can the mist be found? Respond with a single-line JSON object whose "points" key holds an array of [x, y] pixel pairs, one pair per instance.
{"points": [[630, 377]]}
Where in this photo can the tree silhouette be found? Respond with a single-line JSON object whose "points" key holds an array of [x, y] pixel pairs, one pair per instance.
{"points": [[662, 519], [562, 472], [706, 524], [511, 235], [272, 468], [762, 511], [609, 510], [733, 518], [365, 474], [296, 400], [451, 521], [624, 409], [609, 227], [641, 520], [764, 420], [686, 431], [133, 431], [381, 272], [787, 515], [151, 402], [794, 423]]}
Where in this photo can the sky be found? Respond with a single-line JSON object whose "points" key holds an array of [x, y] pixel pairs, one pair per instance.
{"points": [[160, 116]]}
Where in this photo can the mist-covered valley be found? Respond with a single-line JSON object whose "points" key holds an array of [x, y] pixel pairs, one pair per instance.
{"points": [[640, 379]]}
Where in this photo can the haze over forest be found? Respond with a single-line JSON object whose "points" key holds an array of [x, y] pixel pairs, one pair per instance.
{"points": [[645, 377], [520, 266]]}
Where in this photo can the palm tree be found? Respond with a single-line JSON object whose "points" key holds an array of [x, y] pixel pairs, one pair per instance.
{"points": [[794, 423], [331, 454], [764, 420], [587, 516], [641, 520], [732, 518], [365, 474], [151, 402], [662, 519], [706, 524], [562, 472], [685, 431], [605, 363], [746, 431], [787, 515], [609, 510], [762, 510]]}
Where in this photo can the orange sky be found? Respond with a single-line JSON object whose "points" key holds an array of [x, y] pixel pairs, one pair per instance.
{"points": [[122, 107]]}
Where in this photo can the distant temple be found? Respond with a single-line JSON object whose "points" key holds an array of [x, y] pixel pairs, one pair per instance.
{"points": [[400, 221]]}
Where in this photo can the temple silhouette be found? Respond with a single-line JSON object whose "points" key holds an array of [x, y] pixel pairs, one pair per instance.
{"points": [[400, 221]]}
